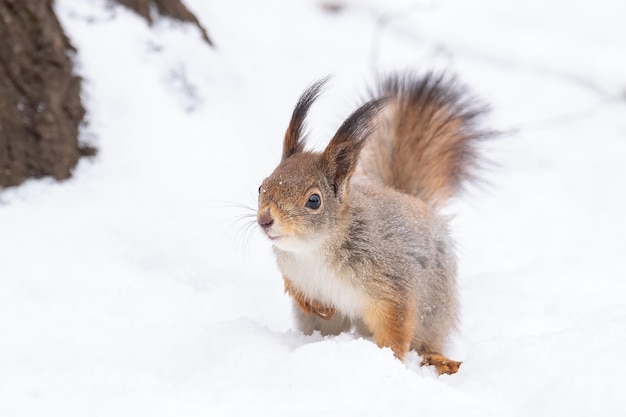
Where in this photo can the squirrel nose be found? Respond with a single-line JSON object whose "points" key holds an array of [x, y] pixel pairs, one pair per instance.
{"points": [[265, 219]]}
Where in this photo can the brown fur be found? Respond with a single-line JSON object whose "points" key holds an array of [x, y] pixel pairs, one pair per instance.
{"points": [[355, 228], [441, 363], [435, 152], [392, 323]]}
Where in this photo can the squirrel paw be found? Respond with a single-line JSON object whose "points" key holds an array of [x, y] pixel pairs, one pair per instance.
{"points": [[441, 363], [313, 307], [306, 305]]}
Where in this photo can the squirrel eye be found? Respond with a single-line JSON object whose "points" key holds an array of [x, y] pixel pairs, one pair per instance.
{"points": [[259, 189], [314, 202]]}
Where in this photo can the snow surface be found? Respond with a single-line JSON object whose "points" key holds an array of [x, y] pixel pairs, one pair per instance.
{"points": [[139, 287]]}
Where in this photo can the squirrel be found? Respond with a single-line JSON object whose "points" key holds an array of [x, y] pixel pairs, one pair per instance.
{"points": [[357, 230]]}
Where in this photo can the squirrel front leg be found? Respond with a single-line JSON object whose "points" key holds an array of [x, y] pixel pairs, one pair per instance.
{"points": [[392, 323], [307, 305]]}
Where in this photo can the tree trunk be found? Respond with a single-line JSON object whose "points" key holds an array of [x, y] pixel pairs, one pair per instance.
{"points": [[40, 107], [171, 8]]}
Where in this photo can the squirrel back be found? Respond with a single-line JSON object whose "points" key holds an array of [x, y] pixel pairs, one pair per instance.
{"points": [[424, 142], [356, 229]]}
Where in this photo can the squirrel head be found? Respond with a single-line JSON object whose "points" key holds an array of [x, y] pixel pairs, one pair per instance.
{"points": [[301, 202]]}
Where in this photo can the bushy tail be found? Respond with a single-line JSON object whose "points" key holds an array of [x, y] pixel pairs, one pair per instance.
{"points": [[425, 140]]}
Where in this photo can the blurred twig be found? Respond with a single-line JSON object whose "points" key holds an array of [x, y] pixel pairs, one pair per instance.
{"points": [[385, 21]]}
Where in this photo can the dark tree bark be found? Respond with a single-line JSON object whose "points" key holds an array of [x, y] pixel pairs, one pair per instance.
{"points": [[40, 107], [171, 8]]}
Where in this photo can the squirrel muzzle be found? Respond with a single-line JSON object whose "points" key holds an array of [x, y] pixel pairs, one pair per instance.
{"points": [[265, 219]]}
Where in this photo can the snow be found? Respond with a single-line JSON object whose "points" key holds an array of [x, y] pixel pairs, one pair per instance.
{"points": [[139, 287]]}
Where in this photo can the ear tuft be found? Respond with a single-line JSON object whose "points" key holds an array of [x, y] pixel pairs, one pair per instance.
{"points": [[360, 124], [295, 134], [342, 153]]}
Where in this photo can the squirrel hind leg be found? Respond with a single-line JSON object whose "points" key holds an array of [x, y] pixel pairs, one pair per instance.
{"points": [[430, 356], [443, 364]]}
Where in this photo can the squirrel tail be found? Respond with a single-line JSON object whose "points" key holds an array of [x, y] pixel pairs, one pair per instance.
{"points": [[424, 142]]}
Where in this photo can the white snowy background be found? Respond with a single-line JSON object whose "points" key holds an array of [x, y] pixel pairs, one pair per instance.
{"points": [[136, 288]]}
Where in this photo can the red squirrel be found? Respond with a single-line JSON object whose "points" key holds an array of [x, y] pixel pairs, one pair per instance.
{"points": [[357, 230]]}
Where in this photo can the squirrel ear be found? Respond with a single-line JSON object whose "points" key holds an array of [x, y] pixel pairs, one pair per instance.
{"points": [[295, 134], [342, 153]]}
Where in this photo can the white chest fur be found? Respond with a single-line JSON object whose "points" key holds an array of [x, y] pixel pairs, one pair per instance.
{"points": [[310, 272]]}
